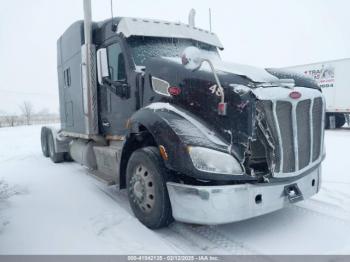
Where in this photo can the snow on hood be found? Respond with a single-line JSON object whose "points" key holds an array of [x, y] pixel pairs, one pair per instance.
{"points": [[255, 74]]}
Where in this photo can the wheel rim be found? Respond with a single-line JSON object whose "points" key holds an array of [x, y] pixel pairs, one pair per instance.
{"points": [[142, 188]]}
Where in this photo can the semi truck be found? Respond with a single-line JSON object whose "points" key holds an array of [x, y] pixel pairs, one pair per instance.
{"points": [[151, 107], [333, 78]]}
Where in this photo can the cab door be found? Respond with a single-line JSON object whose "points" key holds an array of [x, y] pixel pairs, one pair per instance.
{"points": [[114, 107]]}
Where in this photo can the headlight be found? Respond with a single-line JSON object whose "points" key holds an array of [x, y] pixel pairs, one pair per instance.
{"points": [[212, 161]]}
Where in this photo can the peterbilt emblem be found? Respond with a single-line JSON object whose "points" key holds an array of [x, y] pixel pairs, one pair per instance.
{"points": [[295, 95]]}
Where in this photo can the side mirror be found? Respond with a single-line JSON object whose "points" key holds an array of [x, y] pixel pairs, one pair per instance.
{"points": [[191, 58], [102, 65]]}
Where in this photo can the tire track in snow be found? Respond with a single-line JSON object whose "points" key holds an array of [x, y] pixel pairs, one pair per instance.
{"points": [[16, 158], [337, 195], [327, 204], [205, 238], [336, 182], [320, 212], [326, 208], [330, 203], [210, 239], [119, 196]]}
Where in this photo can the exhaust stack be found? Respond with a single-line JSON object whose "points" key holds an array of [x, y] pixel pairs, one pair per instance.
{"points": [[191, 18], [87, 21], [88, 71]]}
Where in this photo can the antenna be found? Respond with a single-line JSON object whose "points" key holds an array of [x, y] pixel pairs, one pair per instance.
{"points": [[210, 19], [114, 26]]}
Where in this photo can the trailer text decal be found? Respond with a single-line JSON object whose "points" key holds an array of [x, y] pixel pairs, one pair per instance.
{"points": [[324, 75]]}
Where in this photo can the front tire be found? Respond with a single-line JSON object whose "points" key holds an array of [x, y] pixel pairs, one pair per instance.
{"points": [[146, 178]]}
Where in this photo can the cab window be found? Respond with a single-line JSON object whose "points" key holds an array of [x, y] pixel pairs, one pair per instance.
{"points": [[116, 62]]}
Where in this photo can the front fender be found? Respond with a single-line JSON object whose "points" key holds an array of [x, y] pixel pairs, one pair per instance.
{"points": [[175, 129]]}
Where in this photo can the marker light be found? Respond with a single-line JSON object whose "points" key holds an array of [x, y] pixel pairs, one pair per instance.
{"points": [[174, 90]]}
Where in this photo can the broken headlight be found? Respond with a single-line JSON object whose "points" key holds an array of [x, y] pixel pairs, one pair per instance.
{"points": [[212, 161]]}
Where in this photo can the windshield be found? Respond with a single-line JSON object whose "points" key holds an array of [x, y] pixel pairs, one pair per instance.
{"points": [[143, 47]]}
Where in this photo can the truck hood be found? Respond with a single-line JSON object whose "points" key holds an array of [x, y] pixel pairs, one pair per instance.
{"points": [[198, 98], [255, 74]]}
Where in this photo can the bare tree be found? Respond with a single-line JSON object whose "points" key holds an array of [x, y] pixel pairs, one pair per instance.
{"points": [[11, 120], [27, 111]]}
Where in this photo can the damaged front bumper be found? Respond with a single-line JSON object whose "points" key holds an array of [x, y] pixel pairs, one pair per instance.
{"points": [[210, 205]]}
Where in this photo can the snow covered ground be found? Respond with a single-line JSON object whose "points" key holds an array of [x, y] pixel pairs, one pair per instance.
{"points": [[59, 209]]}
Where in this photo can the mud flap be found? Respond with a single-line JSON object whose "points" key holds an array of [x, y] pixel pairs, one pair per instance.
{"points": [[293, 193]]}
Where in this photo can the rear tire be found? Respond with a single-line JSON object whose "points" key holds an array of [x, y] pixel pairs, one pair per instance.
{"points": [[54, 156], [44, 142], [339, 120], [146, 178]]}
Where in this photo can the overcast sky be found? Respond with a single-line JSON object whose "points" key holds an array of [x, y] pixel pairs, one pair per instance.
{"points": [[266, 33]]}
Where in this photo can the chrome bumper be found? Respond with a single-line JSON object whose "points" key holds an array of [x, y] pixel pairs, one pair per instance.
{"points": [[210, 205]]}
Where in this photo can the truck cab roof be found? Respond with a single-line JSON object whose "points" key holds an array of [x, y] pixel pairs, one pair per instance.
{"points": [[129, 26], [157, 28]]}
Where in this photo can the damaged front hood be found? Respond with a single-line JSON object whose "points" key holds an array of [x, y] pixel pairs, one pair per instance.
{"points": [[255, 74], [199, 96]]}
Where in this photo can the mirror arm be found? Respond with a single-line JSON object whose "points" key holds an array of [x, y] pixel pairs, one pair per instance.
{"points": [[118, 88], [191, 58], [216, 79]]}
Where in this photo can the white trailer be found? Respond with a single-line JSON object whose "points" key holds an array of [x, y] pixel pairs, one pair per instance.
{"points": [[334, 79]]}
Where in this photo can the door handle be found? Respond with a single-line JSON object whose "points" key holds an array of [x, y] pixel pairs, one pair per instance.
{"points": [[105, 123]]}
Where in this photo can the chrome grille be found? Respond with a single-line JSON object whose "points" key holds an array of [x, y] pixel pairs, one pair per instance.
{"points": [[304, 134], [317, 115], [297, 130], [285, 123]]}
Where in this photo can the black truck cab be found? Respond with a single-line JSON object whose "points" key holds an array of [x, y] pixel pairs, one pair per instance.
{"points": [[212, 144]]}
